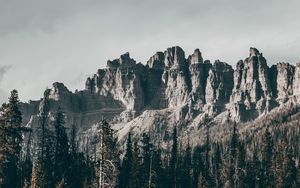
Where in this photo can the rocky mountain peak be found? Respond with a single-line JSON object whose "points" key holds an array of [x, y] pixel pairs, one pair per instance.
{"points": [[157, 61], [126, 61], [176, 88], [58, 91], [219, 83], [175, 57], [282, 80], [196, 57], [253, 52]]}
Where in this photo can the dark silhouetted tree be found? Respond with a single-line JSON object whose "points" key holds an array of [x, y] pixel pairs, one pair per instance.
{"points": [[62, 155], [10, 142], [126, 167], [174, 159], [267, 156]]}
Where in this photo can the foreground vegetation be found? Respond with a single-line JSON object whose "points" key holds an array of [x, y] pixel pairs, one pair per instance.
{"points": [[268, 158]]}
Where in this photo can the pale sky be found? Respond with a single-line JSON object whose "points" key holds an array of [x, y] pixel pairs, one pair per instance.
{"points": [[42, 42]]}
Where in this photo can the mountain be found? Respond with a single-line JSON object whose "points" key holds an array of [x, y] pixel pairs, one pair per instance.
{"points": [[174, 89]]}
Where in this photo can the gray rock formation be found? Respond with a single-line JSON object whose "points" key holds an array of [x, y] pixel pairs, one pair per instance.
{"points": [[219, 87], [174, 89], [296, 81], [120, 80], [176, 77], [282, 76], [198, 72], [252, 91], [82, 108]]}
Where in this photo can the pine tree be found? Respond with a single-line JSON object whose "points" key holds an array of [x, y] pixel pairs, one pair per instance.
{"points": [[253, 170], [277, 165], [49, 159], [10, 142], [79, 165], [207, 170], [158, 175], [43, 128], [207, 151], [109, 158], [27, 163], [186, 168], [146, 154], [37, 177], [241, 165], [3, 148], [218, 165], [198, 165], [87, 174], [174, 159], [233, 151], [135, 181], [43, 168], [62, 156], [126, 168], [289, 169], [298, 175], [267, 155], [202, 183]]}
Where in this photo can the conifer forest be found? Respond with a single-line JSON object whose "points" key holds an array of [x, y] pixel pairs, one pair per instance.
{"points": [[269, 160], [149, 94]]}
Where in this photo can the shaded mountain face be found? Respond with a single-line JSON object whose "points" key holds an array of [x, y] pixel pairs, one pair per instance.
{"points": [[172, 88]]}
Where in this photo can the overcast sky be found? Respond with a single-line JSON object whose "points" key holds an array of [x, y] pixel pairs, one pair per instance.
{"points": [[66, 40]]}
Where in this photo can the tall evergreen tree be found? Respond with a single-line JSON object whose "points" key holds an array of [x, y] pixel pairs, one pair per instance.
{"points": [[253, 170], [109, 157], [174, 159], [277, 164], [10, 141], [289, 169], [185, 174], [27, 163], [233, 151], [3, 150], [198, 165], [126, 168], [218, 165], [79, 165], [202, 183], [207, 170], [43, 168], [298, 175], [146, 154], [241, 165], [62, 155], [267, 156], [158, 174], [207, 154], [136, 166], [37, 178]]}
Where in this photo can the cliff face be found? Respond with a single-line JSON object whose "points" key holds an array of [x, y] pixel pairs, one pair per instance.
{"points": [[122, 80], [198, 75], [252, 92], [282, 78], [175, 87], [82, 109]]}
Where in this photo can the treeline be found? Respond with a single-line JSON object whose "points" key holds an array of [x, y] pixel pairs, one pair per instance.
{"points": [[51, 158]]}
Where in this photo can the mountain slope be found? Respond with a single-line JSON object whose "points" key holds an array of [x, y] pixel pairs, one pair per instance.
{"points": [[172, 89]]}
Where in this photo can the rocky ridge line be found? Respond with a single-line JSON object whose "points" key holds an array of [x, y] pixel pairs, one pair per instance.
{"points": [[171, 88]]}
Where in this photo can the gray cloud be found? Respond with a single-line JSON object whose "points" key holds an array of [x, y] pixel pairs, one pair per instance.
{"points": [[60, 40], [3, 93], [3, 96], [3, 70]]}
